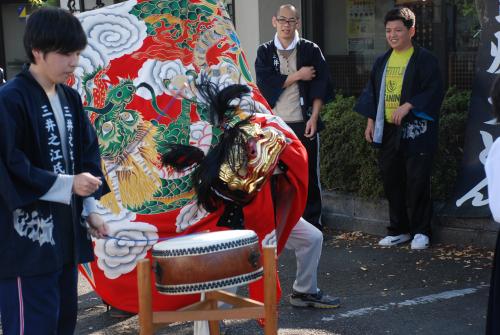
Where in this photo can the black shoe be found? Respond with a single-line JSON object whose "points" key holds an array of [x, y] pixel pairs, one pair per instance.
{"points": [[116, 313], [318, 300]]}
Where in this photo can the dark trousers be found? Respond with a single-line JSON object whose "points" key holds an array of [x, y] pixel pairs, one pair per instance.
{"points": [[312, 212], [40, 305], [407, 185]]}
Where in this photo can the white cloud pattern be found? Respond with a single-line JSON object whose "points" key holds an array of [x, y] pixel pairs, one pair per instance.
{"points": [[189, 215], [128, 243], [112, 32]]}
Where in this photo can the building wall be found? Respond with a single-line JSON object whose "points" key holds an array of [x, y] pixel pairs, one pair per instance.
{"points": [[247, 26]]}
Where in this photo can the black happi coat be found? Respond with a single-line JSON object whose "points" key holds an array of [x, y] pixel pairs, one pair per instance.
{"points": [[30, 228], [270, 80], [422, 87]]}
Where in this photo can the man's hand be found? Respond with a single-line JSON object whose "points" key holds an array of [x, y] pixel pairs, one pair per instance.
{"points": [[97, 227], [306, 73], [311, 128], [370, 129], [84, 184], [400, 113]]}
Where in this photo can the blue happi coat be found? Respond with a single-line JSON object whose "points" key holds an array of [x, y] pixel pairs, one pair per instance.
{"points": [[32, 231]]}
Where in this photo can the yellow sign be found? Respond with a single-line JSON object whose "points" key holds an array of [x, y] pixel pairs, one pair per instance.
{"points": [[360, 25], [22, 12]]}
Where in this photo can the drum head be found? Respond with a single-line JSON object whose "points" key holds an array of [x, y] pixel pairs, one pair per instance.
{"points": [[196, 244]]}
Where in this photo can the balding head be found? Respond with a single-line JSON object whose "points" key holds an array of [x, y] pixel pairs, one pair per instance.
{"points": [[288, 8]]}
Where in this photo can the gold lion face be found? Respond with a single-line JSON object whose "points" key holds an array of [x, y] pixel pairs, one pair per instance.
{"points": [[263, 148]]}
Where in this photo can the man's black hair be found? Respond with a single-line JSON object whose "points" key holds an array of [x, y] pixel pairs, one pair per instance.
{"points": [[402, 14], [495, 98], [53, 29]]}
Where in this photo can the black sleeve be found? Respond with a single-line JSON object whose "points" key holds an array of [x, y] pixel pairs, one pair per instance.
{"points": [[24, 182], [321, 86], [8, 197], [431, 89], [269, 81]]}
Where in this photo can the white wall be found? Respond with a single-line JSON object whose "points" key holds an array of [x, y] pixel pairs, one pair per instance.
{"points": [[247, 27]]}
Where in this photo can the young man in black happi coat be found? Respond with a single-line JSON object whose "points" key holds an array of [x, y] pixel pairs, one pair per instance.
{"points": [[293, 76], [402, 102], [50, 174]]}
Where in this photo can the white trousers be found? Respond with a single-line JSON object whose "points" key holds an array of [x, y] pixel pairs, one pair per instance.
{"points": [[306, 241]]}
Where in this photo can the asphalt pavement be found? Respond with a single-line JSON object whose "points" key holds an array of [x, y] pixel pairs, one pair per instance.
{"points": [[442, 290]]}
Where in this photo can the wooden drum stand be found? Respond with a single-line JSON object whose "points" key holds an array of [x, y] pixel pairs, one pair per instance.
{"points": [[242, 307]]}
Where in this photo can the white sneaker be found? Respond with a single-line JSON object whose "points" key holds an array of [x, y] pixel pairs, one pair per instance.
{"points": [[389, 241], [420, 241]]}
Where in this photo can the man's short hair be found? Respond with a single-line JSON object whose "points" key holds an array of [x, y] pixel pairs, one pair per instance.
{"points": [[53, 29], [402, 14], [289, 6], [495, 98]]}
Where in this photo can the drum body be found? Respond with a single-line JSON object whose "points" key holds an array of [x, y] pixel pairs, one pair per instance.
{"points": [[206, 262]]}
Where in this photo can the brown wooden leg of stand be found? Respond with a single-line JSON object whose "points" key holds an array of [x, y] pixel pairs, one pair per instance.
{"points": [[271, 321], [145, 300], [213, 325]]}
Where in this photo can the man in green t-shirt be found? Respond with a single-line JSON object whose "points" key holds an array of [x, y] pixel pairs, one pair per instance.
{"points": [[402, 102]]}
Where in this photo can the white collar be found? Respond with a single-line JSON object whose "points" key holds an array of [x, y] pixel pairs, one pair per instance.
{"points": [[292, 45]]}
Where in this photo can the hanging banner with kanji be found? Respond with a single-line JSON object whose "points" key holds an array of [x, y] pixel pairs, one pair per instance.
{"points": [[471, 196]]}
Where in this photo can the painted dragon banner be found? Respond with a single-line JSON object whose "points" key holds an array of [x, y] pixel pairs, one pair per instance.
{"points": [[137, 78]]}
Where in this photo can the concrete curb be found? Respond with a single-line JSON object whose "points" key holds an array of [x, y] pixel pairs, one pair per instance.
{"points": [[347, 212]]}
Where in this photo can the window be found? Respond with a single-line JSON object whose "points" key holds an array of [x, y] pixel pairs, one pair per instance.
{"points": [[353, 35]]}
